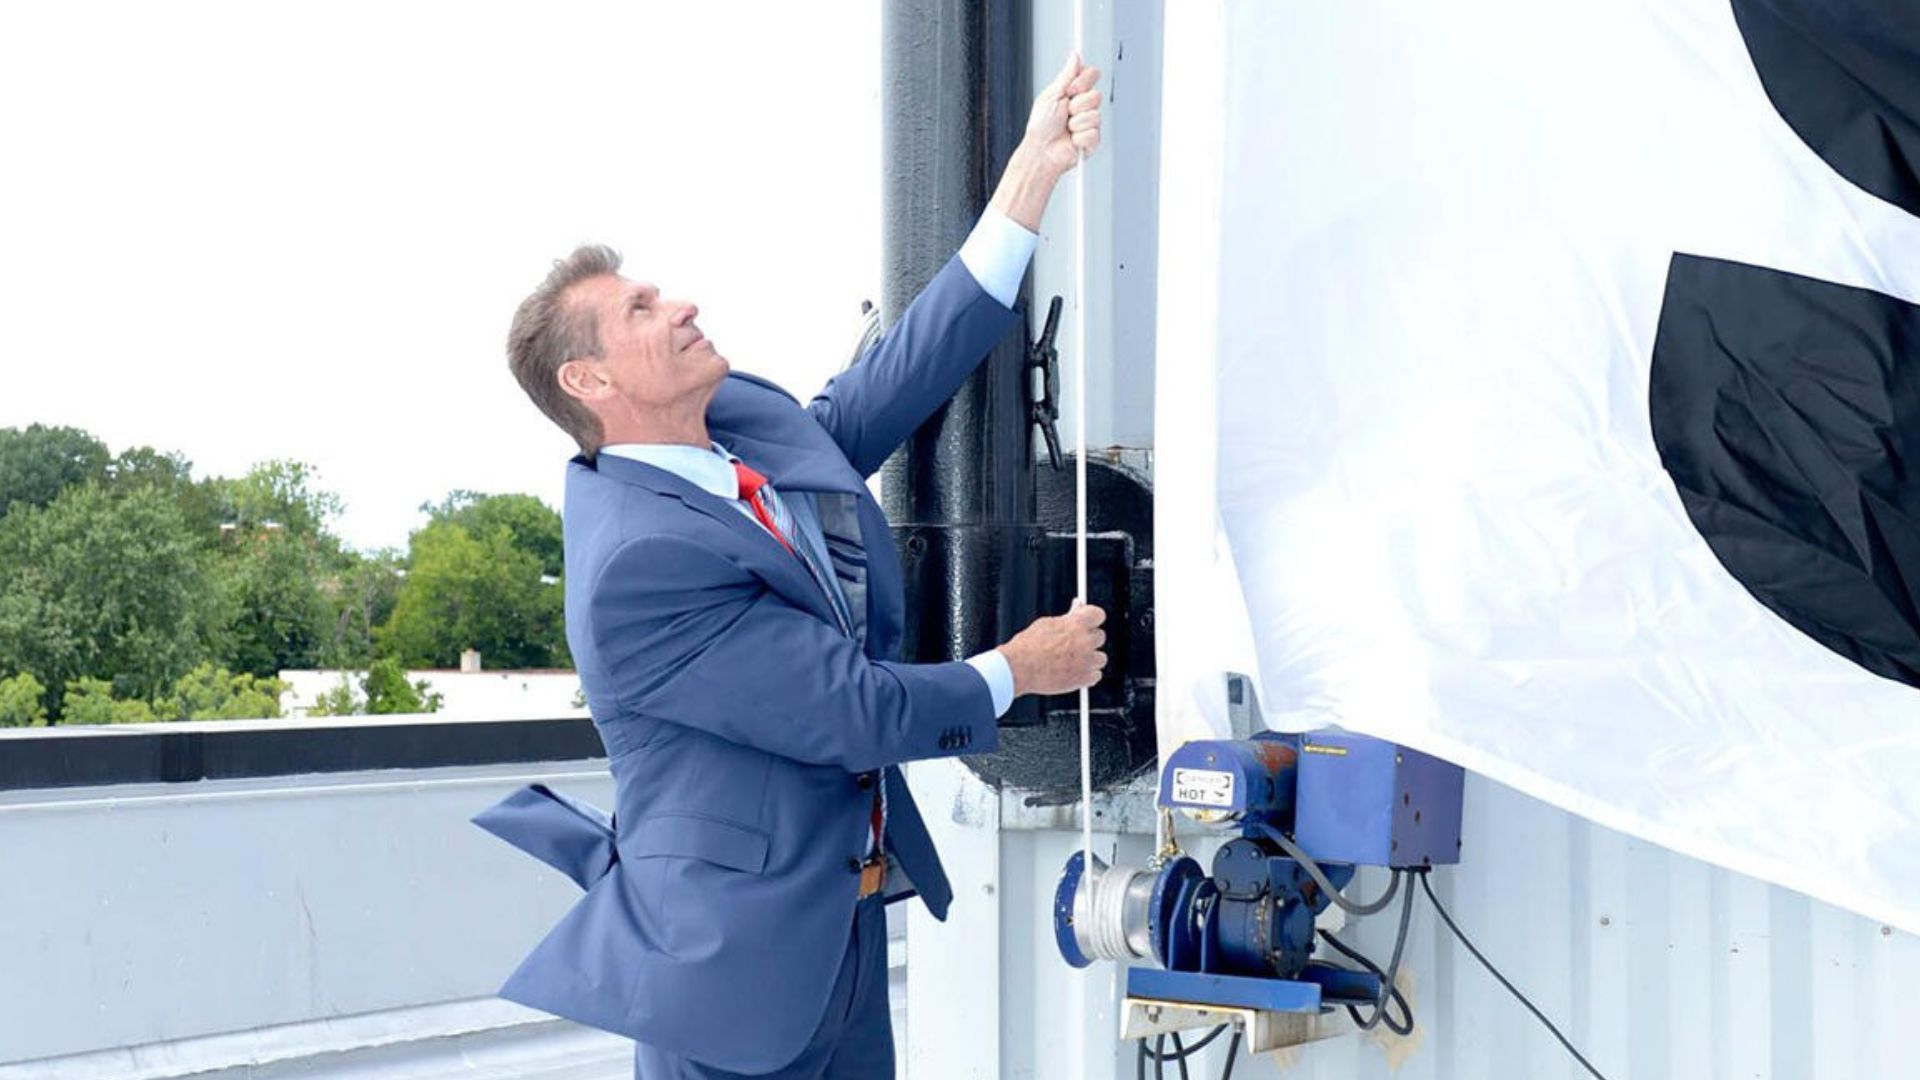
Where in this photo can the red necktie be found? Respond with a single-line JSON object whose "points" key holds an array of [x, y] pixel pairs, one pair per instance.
{"points": [[750, 484]]}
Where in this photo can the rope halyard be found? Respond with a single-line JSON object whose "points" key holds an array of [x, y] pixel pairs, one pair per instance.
{"points": [[1080, 443]]}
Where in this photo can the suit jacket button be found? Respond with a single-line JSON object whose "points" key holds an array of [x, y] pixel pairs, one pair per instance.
{"points": [[853, 863], [864, 781]]}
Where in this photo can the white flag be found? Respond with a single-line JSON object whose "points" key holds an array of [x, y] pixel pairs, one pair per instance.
{"points": [[1557, 405]]}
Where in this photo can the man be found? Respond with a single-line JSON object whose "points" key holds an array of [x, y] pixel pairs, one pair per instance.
{"points": [[733, 605]]}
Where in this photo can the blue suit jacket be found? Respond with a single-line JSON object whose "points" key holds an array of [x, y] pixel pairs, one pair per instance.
{"points": [[744, 728]]}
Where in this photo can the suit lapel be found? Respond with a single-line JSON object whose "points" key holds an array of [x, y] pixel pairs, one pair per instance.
{"points": [[771, 432], [757, 551], [793, 466], [774, 434], [797, 468]]}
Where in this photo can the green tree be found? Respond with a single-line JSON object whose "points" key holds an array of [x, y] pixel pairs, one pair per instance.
{"points": [[22, 701], [199, 501], [535, 527], [103, 586], [38, 462], [342, 700], [214, 693], [361, 594], [278, 495], [389, 692], [279, 614], [466, 590], [278, 568], [91, 701], [143, 466]]}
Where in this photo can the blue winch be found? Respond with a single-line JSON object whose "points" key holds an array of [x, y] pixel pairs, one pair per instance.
{"points": [[1309, 810]]}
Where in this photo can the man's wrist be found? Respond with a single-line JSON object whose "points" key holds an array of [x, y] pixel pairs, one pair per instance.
{"points": [[1025, 187], [1007, 653]]}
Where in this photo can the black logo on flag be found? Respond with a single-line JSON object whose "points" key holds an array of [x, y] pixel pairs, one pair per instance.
{"points": [[1787, 409]]}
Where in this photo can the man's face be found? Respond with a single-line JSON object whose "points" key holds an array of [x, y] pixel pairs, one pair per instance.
{"points": [[654, 354]]}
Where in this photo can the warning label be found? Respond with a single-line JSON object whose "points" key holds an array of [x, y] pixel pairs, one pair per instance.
{"points": [[1203, 787]]}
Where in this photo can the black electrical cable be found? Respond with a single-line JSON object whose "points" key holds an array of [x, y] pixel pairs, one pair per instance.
{"points": [[1495, 972], [1181, 1053], [1319, 876], [1161, 1057], [1394, 996], [1187, 1051], [1393, 969]]}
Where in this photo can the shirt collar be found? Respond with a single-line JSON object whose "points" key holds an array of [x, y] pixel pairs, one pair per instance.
{"points": [[710, 469]]}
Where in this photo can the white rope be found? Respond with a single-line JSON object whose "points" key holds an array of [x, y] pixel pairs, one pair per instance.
{"points": [[1080, 446]]}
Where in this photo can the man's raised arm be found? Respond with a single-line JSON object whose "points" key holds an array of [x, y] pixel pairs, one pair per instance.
{"points": [[942, 336]]}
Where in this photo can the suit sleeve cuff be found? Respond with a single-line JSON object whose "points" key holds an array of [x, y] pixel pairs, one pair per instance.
{"points": [[996, 254], [993, 667]]}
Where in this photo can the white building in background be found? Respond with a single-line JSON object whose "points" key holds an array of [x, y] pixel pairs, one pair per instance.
{"points": [[527, 694]]}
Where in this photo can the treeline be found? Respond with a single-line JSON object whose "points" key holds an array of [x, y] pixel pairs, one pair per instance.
{"points": [[131, 591]]}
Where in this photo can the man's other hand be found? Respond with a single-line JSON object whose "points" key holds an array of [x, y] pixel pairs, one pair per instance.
{"points": [[1066, 116], [1058, 654]]}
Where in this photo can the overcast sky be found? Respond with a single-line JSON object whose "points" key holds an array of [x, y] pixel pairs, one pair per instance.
{"points": [[246, 231]]}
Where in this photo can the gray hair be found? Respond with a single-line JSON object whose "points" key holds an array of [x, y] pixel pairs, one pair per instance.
{"points": [[548, 331]]}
